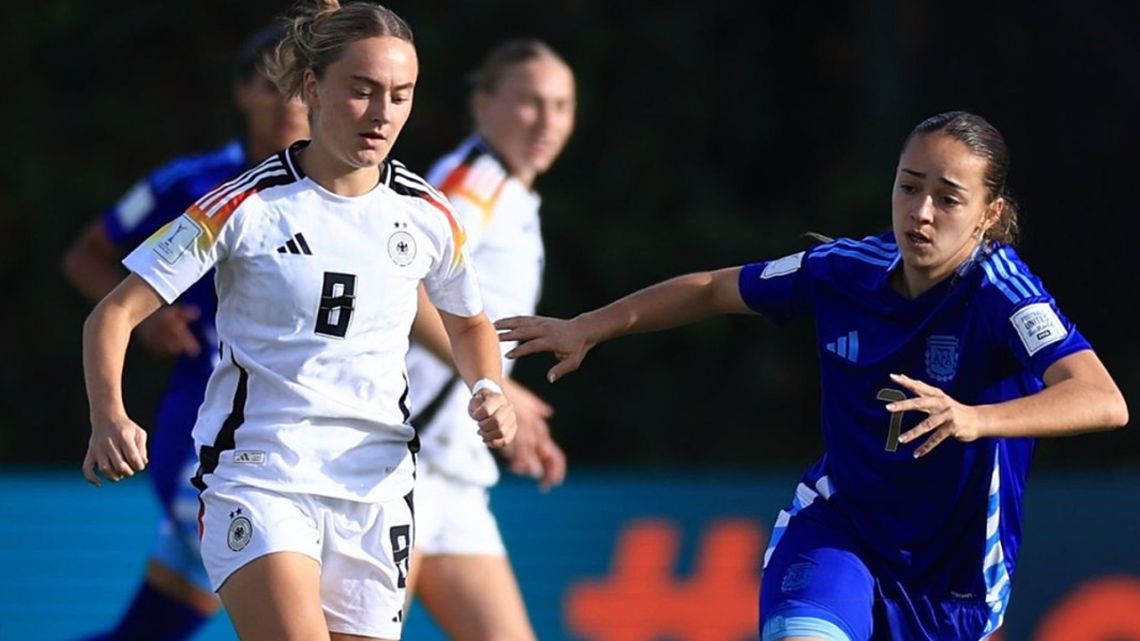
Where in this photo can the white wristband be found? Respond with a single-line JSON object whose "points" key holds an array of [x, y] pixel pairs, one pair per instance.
{"points": [[488, 384]]}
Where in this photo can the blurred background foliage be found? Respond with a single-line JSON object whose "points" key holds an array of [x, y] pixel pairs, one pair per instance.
{"points": [[709, 134]]}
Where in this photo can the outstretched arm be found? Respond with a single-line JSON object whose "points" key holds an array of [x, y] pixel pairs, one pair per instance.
{"points": [[672, 303], [1079, 396], [118, 445]]}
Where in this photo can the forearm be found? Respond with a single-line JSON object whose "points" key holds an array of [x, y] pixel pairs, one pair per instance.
{"points": [[475, 351], [1069, 407], [672, 303], [106, 334]]}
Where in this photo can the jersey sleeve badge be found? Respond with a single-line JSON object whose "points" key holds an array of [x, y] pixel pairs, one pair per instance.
{"points": [[1038, 326], [782, 266], [172, 241]]}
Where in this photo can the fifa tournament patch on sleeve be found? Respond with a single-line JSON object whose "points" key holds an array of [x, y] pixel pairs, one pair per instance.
{"points": [[782, 266], [172, 241], [1038, 325]]}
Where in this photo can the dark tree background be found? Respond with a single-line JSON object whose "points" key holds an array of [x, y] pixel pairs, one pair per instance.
{"points": [[709, 134]]}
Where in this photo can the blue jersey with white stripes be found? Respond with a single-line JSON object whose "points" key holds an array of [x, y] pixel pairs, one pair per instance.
{"points": [[154, 201], [947, 524]]}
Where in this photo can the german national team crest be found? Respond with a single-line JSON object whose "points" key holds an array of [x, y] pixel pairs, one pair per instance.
{"points": [[942, 357], [402, 248], [240, 532]]}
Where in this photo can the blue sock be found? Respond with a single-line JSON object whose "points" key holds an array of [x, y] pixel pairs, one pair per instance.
{"points": [[153, 616]]}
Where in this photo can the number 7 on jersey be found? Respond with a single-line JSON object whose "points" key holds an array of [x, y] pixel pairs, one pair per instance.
{"points": [[893, 396]]}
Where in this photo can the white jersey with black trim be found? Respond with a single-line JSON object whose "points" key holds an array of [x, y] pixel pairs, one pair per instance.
{"points": [[317, 293], [501, 217]]}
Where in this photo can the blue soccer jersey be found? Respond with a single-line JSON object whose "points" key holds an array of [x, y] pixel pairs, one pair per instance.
{"points": [[154, 201], [946, 526]]}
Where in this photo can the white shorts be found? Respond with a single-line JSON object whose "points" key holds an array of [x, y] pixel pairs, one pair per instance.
{"points": [[454, 517], [363, 548]]}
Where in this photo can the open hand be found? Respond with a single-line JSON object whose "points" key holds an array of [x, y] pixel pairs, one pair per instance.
{"points": [[946, 417], [535, 334]]}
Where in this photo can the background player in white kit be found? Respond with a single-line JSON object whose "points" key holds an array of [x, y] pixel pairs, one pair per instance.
{"points": [[523, 104], [306, 455]]}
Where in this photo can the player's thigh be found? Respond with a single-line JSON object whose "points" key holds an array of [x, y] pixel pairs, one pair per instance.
{"points": [[261, 550], [276, 597], [174, 583], [473, 597], [462, 575], [815, 586]]}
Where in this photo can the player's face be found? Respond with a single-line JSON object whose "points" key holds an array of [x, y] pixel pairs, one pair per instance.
{"points": [[272, 122], [939, 207], [364, 100], [530, 115]]}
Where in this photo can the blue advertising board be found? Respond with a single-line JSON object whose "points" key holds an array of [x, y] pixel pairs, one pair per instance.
{"points": [[607, 557]]}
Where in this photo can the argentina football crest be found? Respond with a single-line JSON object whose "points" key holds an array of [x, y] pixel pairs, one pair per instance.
{"points": [[942, 357]]}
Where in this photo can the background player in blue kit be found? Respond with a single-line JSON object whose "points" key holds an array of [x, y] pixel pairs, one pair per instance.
{"points": [[175, 599], [941, 358]]}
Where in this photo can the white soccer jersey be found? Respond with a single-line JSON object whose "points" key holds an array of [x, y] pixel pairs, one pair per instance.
{"points": [[317, 293], [501, 217]]}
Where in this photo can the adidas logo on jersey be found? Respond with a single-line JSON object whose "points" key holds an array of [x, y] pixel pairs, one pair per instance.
{"points": [[296, 245], [846, 347]]}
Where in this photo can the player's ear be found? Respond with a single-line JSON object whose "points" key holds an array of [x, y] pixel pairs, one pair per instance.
{"points": [[309, 90], [992, 215]]}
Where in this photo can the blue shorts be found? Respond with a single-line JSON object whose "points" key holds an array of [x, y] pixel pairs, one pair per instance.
{"points": [[820, 581], [172, 464], [178, 546], [170, 443]]}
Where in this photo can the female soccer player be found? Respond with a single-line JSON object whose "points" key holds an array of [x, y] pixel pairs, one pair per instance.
{"points": [[305, 455], [175, 599], [941, 358], [523, 104]]}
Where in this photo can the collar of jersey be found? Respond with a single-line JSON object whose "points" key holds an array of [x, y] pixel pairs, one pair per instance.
{"points": [[294, 164]]}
